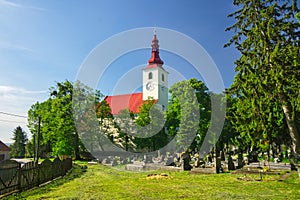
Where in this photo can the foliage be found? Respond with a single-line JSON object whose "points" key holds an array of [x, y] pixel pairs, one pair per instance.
{"points": [[298, 16], [20, 140], [151, 133], [124, 122], [103, 110], [266, 86], [29, 149], [229, 135], [188, 112], [86, 107], [58, 132]]}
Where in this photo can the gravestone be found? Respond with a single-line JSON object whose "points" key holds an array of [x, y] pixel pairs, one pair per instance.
{"points": [[162, 158], [196, 161], [222, 154], [148, 158], [157, 160], [254, 156], [107, 161], [185, 157], [114, 162], [246, 160], [293, 166], [230, 163], [240, 161], [170, 161], [199, 162], [209, 158], [218, 165]]}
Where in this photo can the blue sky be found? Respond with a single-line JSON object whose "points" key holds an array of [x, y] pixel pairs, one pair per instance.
{"points": [[42, 42]]}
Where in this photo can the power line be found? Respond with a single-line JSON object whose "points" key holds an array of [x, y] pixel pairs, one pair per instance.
{"points": [[11, 114], [3, 120]]}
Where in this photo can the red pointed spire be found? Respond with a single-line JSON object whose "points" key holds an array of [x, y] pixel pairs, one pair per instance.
{"points": [[155, 59]]}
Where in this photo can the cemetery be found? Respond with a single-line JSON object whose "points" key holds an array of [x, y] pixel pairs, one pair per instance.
{"points": [[196, 165], [149, 114], [98, 181]]}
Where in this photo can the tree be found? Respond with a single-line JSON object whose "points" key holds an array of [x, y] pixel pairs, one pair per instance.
{"points": [[189, 99], [151, 125], [36, 114], [106, 120], [298, 16], [229, 134], [29, 149], [268, 72], [59, 135], [87, 108], [20, 140], [124, 122]]}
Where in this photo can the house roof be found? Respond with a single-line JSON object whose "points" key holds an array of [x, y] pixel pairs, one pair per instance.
{"points": [[121, 102], [4, 147]]}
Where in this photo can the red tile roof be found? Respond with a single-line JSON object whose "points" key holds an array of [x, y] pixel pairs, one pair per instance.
{"points": [[121, 102], [150, 66], [3, 147]]}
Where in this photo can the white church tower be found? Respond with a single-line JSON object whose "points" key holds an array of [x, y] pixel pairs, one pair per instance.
{"points": [[155, 78]]}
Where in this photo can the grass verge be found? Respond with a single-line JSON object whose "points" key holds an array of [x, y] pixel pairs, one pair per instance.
{"points": [[101, 182]]}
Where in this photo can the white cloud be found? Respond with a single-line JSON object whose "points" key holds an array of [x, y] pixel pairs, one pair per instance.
{"points": [[36, 8], [8, 3], [14, 47], [16, 5], [17, 101], [11, 89]]}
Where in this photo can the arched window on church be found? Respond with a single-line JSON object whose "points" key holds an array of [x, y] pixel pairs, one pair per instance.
{"points": [[150, 75], [162, 77]]}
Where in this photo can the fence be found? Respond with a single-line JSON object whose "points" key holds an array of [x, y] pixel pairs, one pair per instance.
{"points": [[16, 177]]}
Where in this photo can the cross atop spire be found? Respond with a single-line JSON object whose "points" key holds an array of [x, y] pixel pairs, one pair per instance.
{"points": [[155, 59]]}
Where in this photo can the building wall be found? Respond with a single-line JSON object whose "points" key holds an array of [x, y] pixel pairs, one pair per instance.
{"points": [[160, 82], [4, 155], [163, 89], [153, 93]]}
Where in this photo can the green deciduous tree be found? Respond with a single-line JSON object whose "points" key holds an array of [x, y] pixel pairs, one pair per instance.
{"points": [[87, 106], [20, 140], [188, 112], [29, 149], [123, 137], [151, 133], [61, 130], [59, 135], [298, 16], [267, 83]]}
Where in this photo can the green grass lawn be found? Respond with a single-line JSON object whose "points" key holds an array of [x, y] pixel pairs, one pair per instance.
{"points": [[101, 182]]}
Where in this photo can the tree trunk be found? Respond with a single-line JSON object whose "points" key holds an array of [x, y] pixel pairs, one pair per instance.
{"points": [[294, 133], [76, 148]]}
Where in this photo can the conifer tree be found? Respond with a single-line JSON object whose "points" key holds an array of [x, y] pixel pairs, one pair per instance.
{"points": [[20, 140], [267, 83]]}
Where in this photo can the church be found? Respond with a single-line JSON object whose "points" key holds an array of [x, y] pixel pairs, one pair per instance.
{"points": [[155, 86]]}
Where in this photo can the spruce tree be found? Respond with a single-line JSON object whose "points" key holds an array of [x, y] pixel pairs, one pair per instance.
{"points": [[267, 81], [20, 140]]}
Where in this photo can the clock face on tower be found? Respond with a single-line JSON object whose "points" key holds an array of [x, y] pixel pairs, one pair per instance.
{"points": [[150, 86]]}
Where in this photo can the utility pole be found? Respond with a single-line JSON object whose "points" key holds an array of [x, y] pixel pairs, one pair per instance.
{"points": [[38, 140]]}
